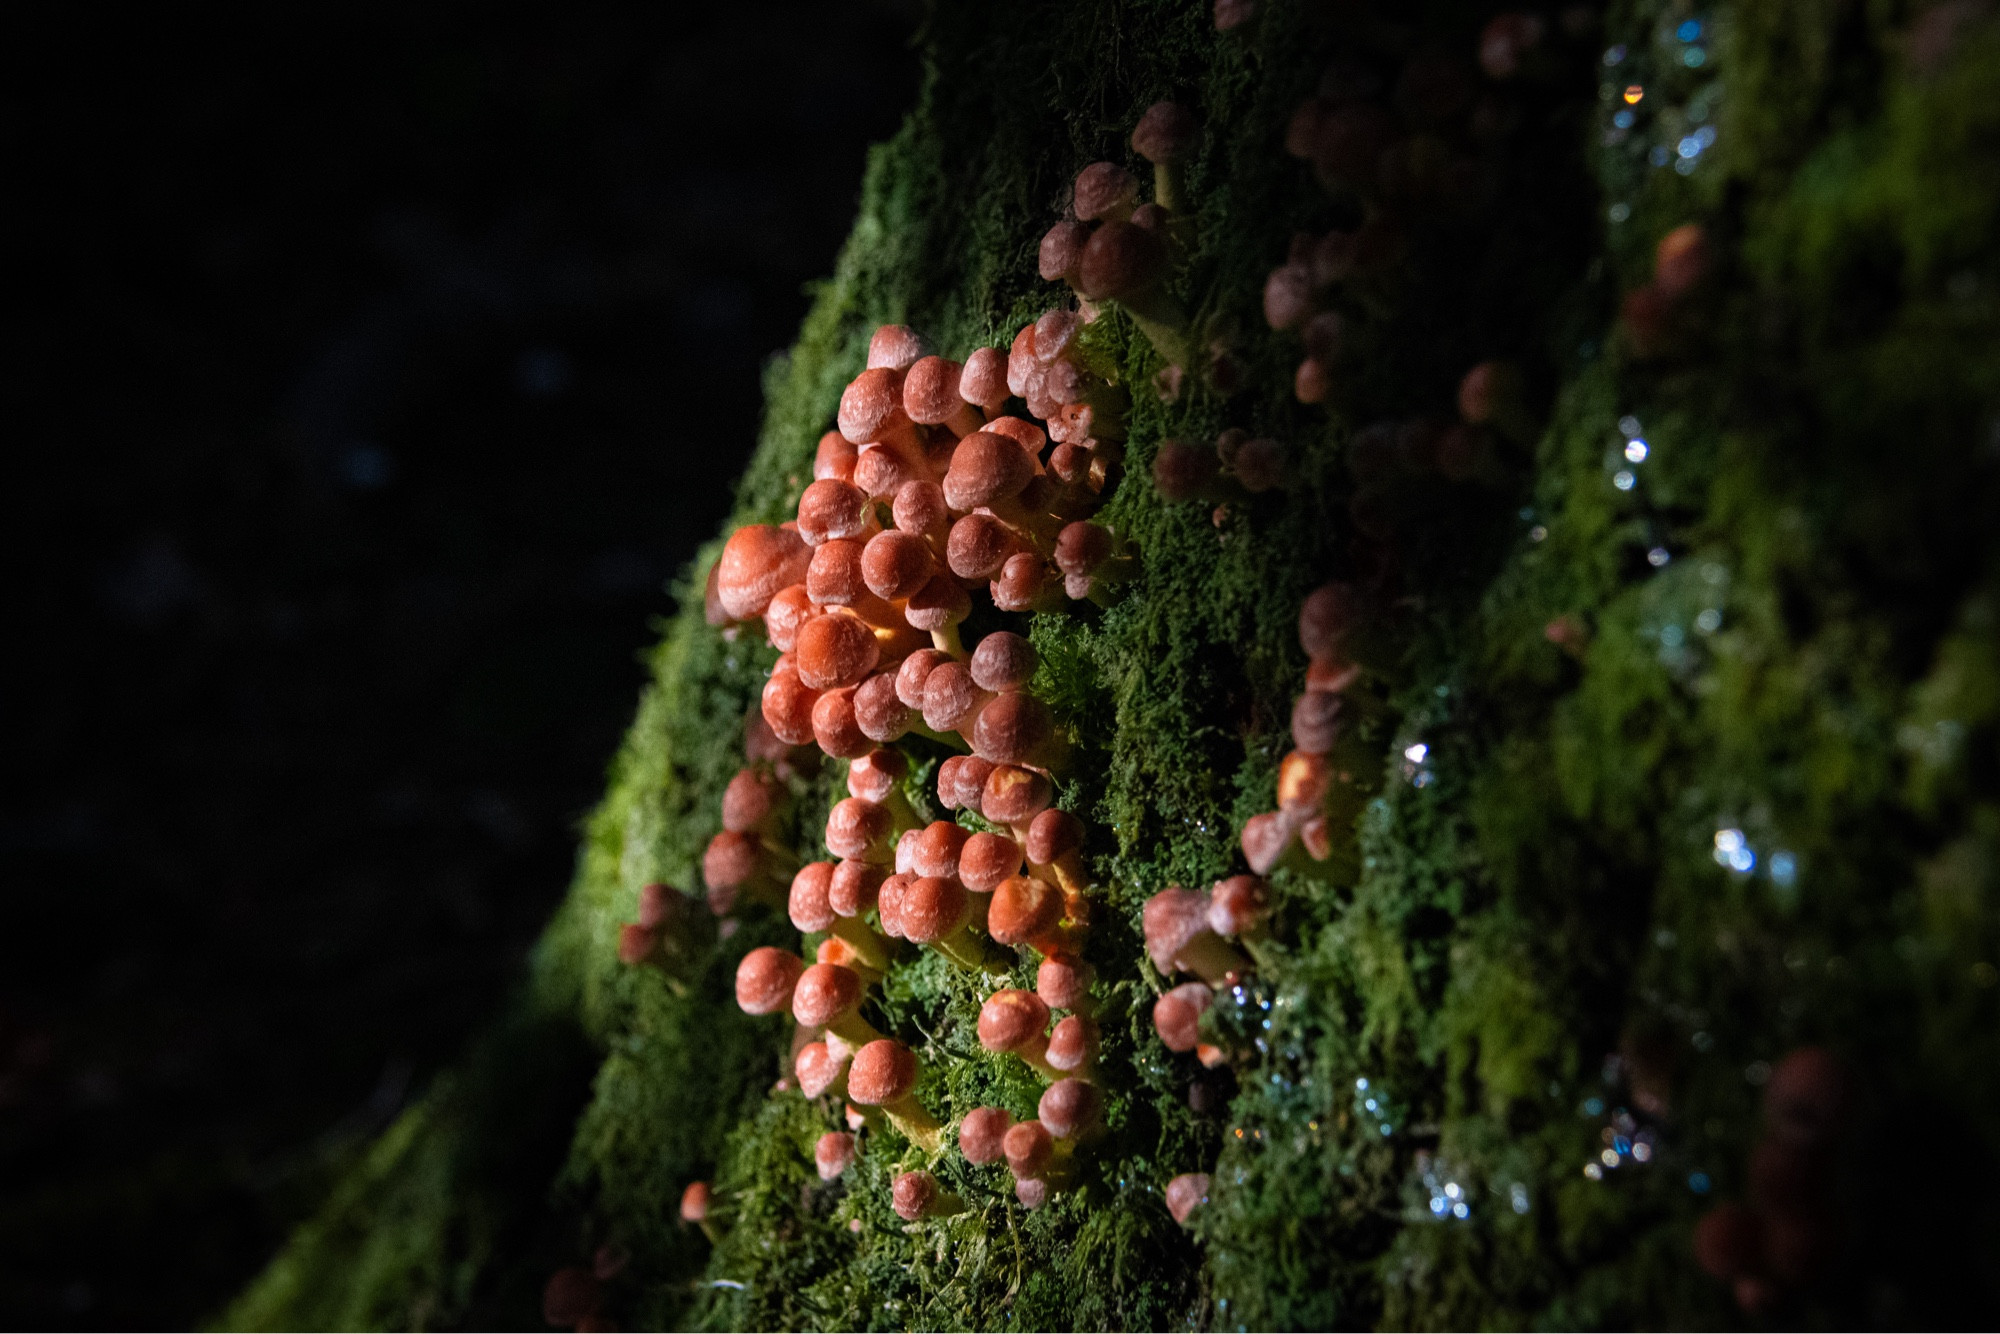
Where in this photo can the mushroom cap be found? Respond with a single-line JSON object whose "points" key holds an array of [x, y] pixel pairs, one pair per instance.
{"points": [[1070, 462], [833, 1154], [983, 381], [730, 860], [1325, 617], [660, 904], [914, 675], [1012, 728], [986, 860], [1171, 919], [1030, 437], [1028, 1146], [919, 509], [950, 698], [1021, 364], [787, 706], [1021, 581], [694, 1202], [1303, 781], [834, 458], [872, 776], [980, 1134], [985, 470], [930, 391], [1069, 1107], [825, 992], [1015, 795], [807, 902], [765, 978], [941, 602], [933, 907], [817, 1069], [1072, 1042], [1806, 1098], [1055, 331], [880, 471], [571, 1296], [836, 728], [852, 889], [1184, 1193], [1237, 904], [878, 713], [937, 847], [636, 942], [1177, 1015], [961, 782], [882, 1072], [1022, 909], [1183, 469], [1316, 721], [831, 508], [856, 828], [789, 608], [894, 346], [1010, 1019], [1003, 661], [1165, 132], [1053, 833], [913, 1195], [834, 651], [1103, 189], [834, 576], [872, 405], [889, 902], [1288, 296], [1063, 982], [1061, 250], [1032, 1192], [757, 561], [1260, 465], [1120, 259], [1266, 839], [979, 545], [1082, 546], [906, 853]]}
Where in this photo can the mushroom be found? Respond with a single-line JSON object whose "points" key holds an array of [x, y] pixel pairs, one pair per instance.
{"points": [[789, 608], [937, 848], [1179, 939], [1087, 555], [831, 508], [936, 911], [1069, 1108], [757, 561], [1016, 1022], [833, 1154], [860, 829], [951, 699], [1026, 911], [1014, 795], [637, 944], [983, 381], [871, 411], [1055, 841], [1259, 464], [1126, 263], [937, 608], [1016, 729], [1032, 1192], [1177, 1015], [882, 470], [787, 704], [834, 458], [1234, 13], [734, 864], [1029, 1149], [1805, 1100], [1267, 837], [1185, 1193], [917, 1195], [1061, 251], [807, 904], [853, 888], [980, 545], [1288, 296], [1063, 982], [1023, 584], [883, 1075], [753, 802], [1163, 137], [1105, 192], [961, 782], [895, 564], [931, 397], [828, 996], [1303, 782], [894, 346], [1325, 617], [980, 1134], [1236, 906], [834, 650], [821, 1070], [765, 979], [879, 715], [1003, 661], [836, 728], [1316, 721], [914, 674], [1072, 1047], [836, 579], [986, 860]]}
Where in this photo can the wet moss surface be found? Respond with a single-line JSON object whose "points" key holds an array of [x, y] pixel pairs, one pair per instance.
{"points": [[1676, 751]]}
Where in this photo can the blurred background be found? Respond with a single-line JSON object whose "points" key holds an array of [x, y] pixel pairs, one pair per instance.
{"points": [[369, 372]]}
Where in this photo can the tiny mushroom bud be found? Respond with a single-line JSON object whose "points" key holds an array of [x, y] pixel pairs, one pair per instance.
{"points": [[895, 346], [1178, 937], [757, 561], [787, 707], [980, 1134], [834, 1154], [1072, 1045], [1105, 191], [1184, 470], [1266, 839], [961, 782], [1015, 1021], [1236, 906], [1032, 1192], [1314, 381], [1055, 840], [1023, 584], [896, 564], [1061, 251], [937, 911], [883, 1075], [986, 860], [1069, 1108], [1177, 1015], [694, 1202], [859, 829], [1028, 1147], [765, 980], [1185, 1193], [819, 1069], [1003, 661], [1063, 982], [917, 1195]]}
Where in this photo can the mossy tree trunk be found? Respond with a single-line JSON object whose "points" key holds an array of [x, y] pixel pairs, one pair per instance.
{"points": [[1681, 756]]}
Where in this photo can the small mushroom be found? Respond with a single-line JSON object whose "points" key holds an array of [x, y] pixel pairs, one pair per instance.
{"points": [[937, 608], [931, 397], [833, 1154], [860, 829], [828, 996], [1015, 795], [1177, 1015], [1325, 618], [983, 381], [834, 650], [836, 729], [1061, 251], [1267, 837], [757, 561], [831, 509], [1016, 1022], [980, 1135], [1179, 938], [1163, 137], [1126, 263], [936, 911], [807, 904], [917, 1195], [914, 675], [1023, 584], [1303, 783], [883, 1075], [894, 346], [834, 458], [1237, 905], [879, 715], [952, 700], [1063, 982], [853, 887], [896, 564], [1072, 1046], [820, 1070], [986, 860], [961, 782], [1185, 1193], [1016, 728], [765, 979], [979, 546], [938, 845], [1105, 192], [1026, 911], [1029, 1149], [1055, 840], [1070, 1107], [753, 802], [871, 409], [1231, 14], [735, 864]]}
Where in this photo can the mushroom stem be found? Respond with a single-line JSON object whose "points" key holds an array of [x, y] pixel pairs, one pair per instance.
{"points": [[969, 952], [1066, 871], [852, 1029], [869, 947], [1034, 1054], [1211, 958], [945, 639], [916, 1124]]}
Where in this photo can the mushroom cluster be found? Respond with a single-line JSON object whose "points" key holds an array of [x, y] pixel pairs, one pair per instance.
{"points": [[1235, 465], [928, 491], [1111, 247], [1786, 1232], [1190, 932]]}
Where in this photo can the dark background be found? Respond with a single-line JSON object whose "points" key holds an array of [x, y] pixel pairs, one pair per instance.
{"points": [[368, 372]]}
